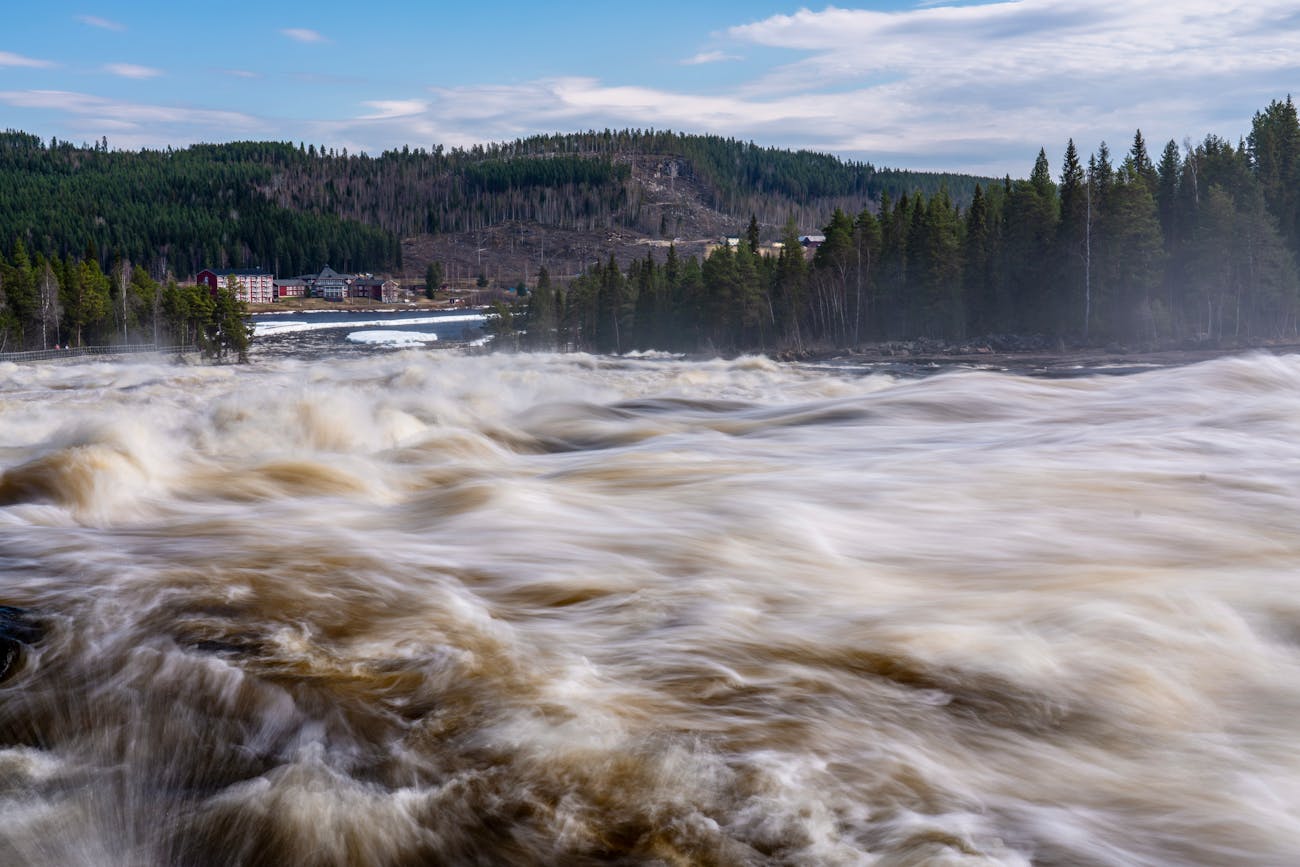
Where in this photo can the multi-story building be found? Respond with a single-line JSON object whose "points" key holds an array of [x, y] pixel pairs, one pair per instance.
{"points": [[291, 287], [330, 285], [253, 286], [374, 288]]}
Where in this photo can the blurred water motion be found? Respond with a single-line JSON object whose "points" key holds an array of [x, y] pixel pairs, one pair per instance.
{"points": [[419, 608]]}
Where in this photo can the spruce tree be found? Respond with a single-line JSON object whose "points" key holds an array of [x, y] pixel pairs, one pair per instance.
{"points": [[1070, 252], [541, 313], [1274, 144], [979, 292]]}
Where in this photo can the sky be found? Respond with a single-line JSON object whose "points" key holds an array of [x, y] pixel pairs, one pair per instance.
{"points": [[940, 85]]}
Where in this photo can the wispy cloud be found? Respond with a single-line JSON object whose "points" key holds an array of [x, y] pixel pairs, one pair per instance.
{"points": [[710, 57], [101, 23], [1011, 75], [467, 115], [976, 87], [241, 73], [159, 124], [390, 108], [1035, 41], [942, 84], [8, 58], [302, 34], [131, 70]]}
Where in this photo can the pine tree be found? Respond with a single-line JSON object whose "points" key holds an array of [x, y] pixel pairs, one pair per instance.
{"points": [[542, 313], [18, 295], [831, 266], [1134, 256], [227, 328], [610, 312], [1143, 168], [719, 273], [1274, 145], [1072, 240], [432, 279], [790, 280], [1030, 218], [1168, 172], [943, 314], [978, 259], [866, 244]]}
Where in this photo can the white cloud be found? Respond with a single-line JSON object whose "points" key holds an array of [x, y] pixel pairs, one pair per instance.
{"points": [[1026, 40], [160, 120], [302, 34], [8, 58], [241, 73], [960, 87], [131, 70], [975, 87], [944, 80], [390, 108], [464, 116], [710, 57], [101, 23]]}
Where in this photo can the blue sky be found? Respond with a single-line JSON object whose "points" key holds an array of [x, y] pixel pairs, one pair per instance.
{"points": [[965, 86]]}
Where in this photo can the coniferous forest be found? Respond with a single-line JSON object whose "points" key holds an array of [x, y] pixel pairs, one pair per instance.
{"points": [[1199, 243]]}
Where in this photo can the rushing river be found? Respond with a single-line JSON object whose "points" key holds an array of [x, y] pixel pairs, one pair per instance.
{"points": [[418, 607]]}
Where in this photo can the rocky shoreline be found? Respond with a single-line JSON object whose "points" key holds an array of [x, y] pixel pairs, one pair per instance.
{"points": [[1032, 353]]}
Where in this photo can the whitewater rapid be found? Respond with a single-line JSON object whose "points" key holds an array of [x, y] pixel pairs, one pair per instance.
{"points": [[427, 608]]}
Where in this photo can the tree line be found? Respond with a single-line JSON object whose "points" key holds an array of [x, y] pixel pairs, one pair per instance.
{"points": [[173, 210], [1198, 245], [56, 302]]}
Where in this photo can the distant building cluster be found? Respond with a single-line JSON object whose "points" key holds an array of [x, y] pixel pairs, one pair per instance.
{"points": [[256, 286], [809, 243]]}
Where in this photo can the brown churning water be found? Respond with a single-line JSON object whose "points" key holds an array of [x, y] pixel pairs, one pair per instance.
{"points": [[421, 608]]}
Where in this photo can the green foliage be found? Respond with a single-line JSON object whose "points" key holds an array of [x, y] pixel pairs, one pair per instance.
{"points": [[1191, 248], [500, 325], [205, 206], [541, 315], [432, 278], [226, 331], [502, 175], [1201, 245]]}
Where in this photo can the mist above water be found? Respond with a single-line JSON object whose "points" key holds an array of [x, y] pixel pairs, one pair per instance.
{"points": [[417, 607]]}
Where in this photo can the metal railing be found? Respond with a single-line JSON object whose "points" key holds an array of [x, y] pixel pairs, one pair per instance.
{"points": [[84, 351]]}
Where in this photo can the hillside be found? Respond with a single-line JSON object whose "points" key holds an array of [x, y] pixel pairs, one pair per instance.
{"points": [[293, 208]]}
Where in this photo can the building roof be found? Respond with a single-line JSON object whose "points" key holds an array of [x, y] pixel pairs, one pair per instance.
{"points": [[238, 272]]}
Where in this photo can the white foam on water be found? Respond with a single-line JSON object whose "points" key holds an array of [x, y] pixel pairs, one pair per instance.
{"points": [[453, 608], [392, 338], [271, 329]]}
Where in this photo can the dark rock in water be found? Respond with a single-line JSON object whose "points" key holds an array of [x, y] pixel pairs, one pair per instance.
{"points": [[17, 629]]}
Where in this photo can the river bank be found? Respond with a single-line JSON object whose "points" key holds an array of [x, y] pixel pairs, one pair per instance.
{"points": [[351, 305], [1014, 352]]}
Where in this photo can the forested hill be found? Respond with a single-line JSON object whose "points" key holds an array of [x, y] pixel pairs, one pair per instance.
{"points": [[647, 181], [174, 211], [292, 208]]}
